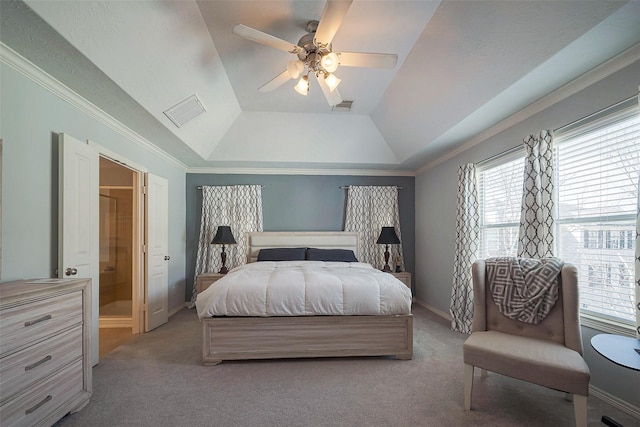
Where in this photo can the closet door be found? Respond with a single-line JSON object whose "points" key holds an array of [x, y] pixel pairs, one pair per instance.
{"points": [[78, 220], [157, 257]]}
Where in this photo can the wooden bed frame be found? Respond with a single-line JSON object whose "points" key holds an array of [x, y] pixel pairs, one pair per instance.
{"points": [[242, 338]]}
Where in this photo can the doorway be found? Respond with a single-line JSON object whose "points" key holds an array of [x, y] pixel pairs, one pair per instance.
{"points": [[79, 215], [118, 282]]}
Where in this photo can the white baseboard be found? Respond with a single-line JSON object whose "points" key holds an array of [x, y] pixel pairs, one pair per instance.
{"points": [[434, 310], [115, 322], [178, 308], [624, 406]]}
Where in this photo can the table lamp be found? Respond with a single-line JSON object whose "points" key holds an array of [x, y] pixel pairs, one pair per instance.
{"points": [[387, 237], [223, 237]]}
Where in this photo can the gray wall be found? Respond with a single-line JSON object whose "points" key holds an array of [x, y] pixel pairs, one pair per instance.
{"points": [[436, 209], [299, 203], [31, 118]]}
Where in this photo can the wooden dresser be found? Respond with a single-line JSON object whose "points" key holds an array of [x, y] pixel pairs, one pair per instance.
{"points": [[45, 366]]}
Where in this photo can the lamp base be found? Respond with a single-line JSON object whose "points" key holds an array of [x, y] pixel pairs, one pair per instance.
{"points": [[386, 267], [223, 256]]}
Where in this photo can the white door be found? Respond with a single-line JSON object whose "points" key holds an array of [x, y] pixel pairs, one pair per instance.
{"points": [[157, 257], [78, 215]]}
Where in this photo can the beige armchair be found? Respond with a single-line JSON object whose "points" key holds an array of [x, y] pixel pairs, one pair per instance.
{"points": [[548, 353]]}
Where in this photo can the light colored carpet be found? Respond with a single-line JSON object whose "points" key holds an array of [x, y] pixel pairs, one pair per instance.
{"points": [[156, 379]]}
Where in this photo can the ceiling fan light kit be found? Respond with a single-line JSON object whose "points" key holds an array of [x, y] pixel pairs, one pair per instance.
{"points": [[315, 53], [332, 81], [295, 68], [330, 62], [303, 86]]}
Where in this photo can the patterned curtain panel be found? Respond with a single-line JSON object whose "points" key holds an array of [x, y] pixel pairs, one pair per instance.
{"points": [[638, 264], [537, 218], [466, 250], [369, 208], [239, 206]]}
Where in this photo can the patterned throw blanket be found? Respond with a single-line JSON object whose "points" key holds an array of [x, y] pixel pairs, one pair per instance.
{"points": [[524, 289]]}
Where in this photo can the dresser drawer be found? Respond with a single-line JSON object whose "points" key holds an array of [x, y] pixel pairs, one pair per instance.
{"points": [[24, 324], [37, 403], [28, 366]]}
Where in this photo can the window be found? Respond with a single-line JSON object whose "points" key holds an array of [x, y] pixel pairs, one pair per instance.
{"points": [[500, 195], [598, 168], [597, 177]]}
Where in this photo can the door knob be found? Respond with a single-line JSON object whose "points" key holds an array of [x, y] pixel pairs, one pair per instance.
{"points": [[167, 257], [71, 271]]}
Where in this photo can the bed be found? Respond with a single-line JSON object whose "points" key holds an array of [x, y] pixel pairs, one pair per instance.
{"points": [[266, 336]]}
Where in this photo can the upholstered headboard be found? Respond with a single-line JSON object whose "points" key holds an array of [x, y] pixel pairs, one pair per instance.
{"points": [[299, 239]]}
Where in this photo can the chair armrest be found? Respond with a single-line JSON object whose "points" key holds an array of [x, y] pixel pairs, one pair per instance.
{"points": [[479, 273], [571, 307]]}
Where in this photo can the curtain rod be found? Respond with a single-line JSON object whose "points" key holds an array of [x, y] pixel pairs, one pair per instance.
{"points": [[504, 153], [344, 187], [618, 105], [625, 103], [199, 187]]}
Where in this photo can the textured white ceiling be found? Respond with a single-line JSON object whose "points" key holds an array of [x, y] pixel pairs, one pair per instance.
{"points": [[462, 67]]}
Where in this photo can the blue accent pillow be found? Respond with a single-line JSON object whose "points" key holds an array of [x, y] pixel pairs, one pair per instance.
{"points": [[332, 255], [282, 254]]}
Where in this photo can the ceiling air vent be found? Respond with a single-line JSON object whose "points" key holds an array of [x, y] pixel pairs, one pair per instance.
{"points": [[343, 106], [185, 111]]}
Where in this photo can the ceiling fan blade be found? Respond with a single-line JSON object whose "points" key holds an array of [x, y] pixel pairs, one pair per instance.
{"points": [[264, 38], [371, 60], [332, 15], [333, 98], [276, 82]]}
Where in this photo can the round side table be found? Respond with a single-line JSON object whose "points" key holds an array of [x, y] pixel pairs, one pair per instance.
{"points": [[623, 351]]}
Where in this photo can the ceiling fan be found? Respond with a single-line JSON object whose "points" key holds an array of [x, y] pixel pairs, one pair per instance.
{"points": [[316, 55]]}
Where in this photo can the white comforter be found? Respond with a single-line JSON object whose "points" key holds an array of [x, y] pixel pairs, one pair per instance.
{"points": [[304, 288]]}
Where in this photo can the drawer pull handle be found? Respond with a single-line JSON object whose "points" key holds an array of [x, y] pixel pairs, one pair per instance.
{"points": [[38, 363], [33, 322], [35, 408]]}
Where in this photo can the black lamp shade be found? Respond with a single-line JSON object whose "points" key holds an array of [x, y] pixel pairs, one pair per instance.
{"points": [[388, 236], [223, 236]]}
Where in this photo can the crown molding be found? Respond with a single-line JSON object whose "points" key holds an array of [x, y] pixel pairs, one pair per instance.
{"points": [[34, 73], [28, 69], [301, 171], [582, 82]]}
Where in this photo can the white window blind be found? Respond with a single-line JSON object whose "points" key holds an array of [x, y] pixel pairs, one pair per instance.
{"points": [[598, 168], [500, 195]]}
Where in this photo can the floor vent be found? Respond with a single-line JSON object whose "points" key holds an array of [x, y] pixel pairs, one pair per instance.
{"points": [[185, 111], [343, 106]]}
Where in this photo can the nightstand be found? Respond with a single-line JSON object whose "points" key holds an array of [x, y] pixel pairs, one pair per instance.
{"points": [[204, 280], [404, 277]]}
